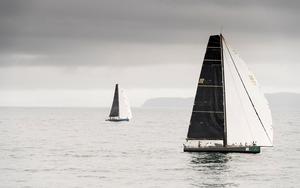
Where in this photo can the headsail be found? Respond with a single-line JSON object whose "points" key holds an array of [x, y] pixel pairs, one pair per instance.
{"points": [[247, 113], [124, 106], [207, 120]]}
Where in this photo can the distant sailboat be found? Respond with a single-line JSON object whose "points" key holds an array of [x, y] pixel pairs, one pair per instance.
{"points": [[120, 109], [230, 114]]}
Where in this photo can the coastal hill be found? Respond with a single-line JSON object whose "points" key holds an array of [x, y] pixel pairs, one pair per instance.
{"points": [[276, 100]]}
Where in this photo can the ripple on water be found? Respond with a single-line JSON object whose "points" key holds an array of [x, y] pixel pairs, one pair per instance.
{"points": [[76, 148]]}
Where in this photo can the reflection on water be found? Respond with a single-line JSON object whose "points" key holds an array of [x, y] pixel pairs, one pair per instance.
{"points": [[204, 158], [211, 169], [209, 161]]}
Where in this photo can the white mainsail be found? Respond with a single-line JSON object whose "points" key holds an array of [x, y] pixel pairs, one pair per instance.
{"points": [[124, 107], [248, 117]]}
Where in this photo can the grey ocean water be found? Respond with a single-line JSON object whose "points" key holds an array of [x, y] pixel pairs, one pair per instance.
{"points": [[75, 147]]}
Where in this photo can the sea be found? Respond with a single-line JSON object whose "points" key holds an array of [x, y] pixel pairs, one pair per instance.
{"points": [[76, 147]]}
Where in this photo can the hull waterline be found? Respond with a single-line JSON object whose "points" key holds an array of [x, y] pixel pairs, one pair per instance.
{"points": [[117, 120], [221, 149]]}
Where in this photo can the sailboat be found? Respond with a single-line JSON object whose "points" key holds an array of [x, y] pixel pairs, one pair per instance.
{"points": [[120, 109], [230, 113]]}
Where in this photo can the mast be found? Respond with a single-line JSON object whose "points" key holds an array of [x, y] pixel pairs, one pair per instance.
{"points": [[224, 96]]}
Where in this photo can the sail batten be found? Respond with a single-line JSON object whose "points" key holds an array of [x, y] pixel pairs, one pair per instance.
{"points": [[209, 111], [212, 59], [209, 86]]}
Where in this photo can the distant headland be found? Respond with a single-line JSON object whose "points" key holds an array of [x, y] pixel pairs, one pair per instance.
{"points": [[276, 100]]}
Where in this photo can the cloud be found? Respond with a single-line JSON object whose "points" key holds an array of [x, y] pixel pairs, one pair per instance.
{"points": [[64, 33], [72, 52]]}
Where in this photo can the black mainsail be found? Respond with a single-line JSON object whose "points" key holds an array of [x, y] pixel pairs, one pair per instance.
{"points": [[114, 112], [207, 120]]}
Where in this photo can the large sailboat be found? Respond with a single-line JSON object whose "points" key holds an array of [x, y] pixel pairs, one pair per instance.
{"points": [[230, 114], [120, 109]]}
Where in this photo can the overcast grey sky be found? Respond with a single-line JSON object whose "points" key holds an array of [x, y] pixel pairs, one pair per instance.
{"points": [[71, 52]]}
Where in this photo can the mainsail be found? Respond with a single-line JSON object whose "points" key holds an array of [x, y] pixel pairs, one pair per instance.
{"points": [[207, 121], [120, 109], [229, 105], [114, 111]]}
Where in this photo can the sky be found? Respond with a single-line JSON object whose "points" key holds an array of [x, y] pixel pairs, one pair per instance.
{"points": [[71, 52]]}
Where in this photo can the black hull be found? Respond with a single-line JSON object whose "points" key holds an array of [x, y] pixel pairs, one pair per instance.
{"points": [[244, 149], [117, 120]]}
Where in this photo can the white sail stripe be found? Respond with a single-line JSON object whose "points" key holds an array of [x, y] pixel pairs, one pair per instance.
{"points": [[247, 92]]}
